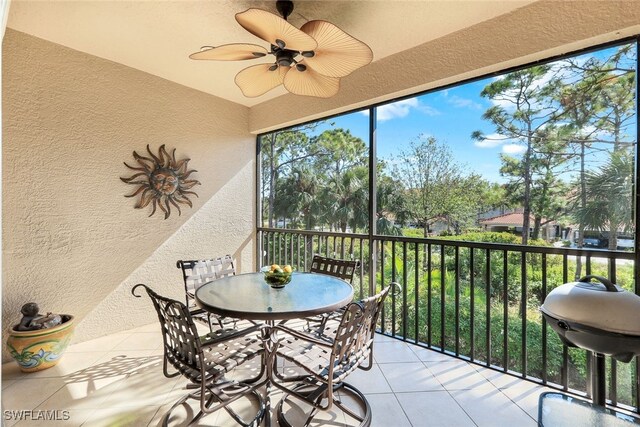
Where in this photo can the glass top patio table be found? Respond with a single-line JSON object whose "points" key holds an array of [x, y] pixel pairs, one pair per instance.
{"points": [[248, 296]]}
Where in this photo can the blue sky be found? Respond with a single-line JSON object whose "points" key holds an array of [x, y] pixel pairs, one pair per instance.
{"points": [[450, 116]]}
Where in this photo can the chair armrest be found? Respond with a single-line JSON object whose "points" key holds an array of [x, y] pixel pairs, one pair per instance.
{"points": [[303, 336]]}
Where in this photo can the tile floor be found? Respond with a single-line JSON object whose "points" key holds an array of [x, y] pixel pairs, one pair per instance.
{"points": [[117, 381]]}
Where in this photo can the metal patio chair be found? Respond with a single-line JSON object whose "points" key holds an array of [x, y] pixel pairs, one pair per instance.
{"points": [[327, 364], [340, 268], [205, 361], [196, 273]]}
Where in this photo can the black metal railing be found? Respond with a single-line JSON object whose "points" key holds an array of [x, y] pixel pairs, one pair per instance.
{"points": [[473, 300]]}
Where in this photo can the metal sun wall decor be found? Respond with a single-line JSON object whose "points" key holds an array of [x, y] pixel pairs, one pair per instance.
{"points": [[162, 181]]}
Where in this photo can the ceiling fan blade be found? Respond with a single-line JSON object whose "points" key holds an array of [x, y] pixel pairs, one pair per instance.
{"points": [[275, 30], [311, 83], [231, 52], [258, 79], [338, 54]]}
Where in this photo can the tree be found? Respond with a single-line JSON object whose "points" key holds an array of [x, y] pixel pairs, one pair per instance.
{"points": [[344, 170], [609, 196], [599, 100], [390, 204], [298, 197], [434, 186], [280, 152], [523, 108]]}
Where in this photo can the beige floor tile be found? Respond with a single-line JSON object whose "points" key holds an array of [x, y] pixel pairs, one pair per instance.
{"points": [[433, 409], [151, 327], [457, 375], [425, 355], [247, 408], [369, 382], [386, 411], [526, 396], [68, 364], [29, 393], [141, 341], [127, 361], [11, 371], [489, 407], [498, 379], [393, 352], [146, 388], [87, 388], [383, 338], [66, 418], [118, 380], [121, 417], [296, 412], [181, 415], [156, 420], [7, 383], [105, 343], [409, 377]]}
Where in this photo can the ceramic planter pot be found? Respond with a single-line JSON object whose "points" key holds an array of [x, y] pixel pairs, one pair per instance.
{"points": [[43, 348]]}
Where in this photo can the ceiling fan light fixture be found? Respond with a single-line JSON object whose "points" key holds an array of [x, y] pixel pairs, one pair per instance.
{"points": [[308, 54], [301, 67]]}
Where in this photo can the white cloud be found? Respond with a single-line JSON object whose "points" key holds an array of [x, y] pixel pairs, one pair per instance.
{"points": [[460, 102], [402, 109], [491, 141], [513, 149], [397, 109], [428, 110]]}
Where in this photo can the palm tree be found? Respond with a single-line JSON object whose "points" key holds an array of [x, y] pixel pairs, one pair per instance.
{"points": [[608, 193]]}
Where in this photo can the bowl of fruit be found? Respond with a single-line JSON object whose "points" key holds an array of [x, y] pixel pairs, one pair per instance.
{"points": [[277, 276]]}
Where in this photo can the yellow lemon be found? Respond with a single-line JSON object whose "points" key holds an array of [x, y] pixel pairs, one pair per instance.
{"points": [[274, 267], [288, 269]]}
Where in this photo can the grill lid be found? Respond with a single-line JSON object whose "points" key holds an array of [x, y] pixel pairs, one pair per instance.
{"points": [[601, 305]]}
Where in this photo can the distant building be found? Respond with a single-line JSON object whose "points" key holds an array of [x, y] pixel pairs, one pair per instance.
{"points": [[513, 222]]}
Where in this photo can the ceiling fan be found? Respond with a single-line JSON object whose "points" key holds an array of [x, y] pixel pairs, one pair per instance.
{"points": [[309, 61]]}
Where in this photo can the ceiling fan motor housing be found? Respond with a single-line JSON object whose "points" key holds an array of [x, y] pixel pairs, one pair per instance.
{"points": [[285, 57]]}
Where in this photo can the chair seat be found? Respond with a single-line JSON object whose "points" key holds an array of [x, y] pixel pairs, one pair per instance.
{"points": [[315, 359], [220, 357]]}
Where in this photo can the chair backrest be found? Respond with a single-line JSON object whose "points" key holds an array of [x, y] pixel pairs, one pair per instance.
{"points": [[181, 342], [341, 268], [354, 336], [196, 273]]}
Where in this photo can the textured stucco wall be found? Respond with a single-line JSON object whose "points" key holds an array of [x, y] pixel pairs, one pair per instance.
{"points": [[533, 32], [71, 241]]}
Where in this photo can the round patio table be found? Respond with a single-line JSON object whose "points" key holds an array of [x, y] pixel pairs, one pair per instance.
{"points": [[248, 296]]}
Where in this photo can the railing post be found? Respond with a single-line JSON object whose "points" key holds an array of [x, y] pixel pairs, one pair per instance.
{"points": [[259, 233], [373, 203]]}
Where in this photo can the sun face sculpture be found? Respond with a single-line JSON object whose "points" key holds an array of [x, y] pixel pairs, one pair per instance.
{"points": [[162, 181]]}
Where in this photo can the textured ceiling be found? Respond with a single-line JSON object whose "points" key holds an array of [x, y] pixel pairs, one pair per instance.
{"points": [[157, 36]]}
